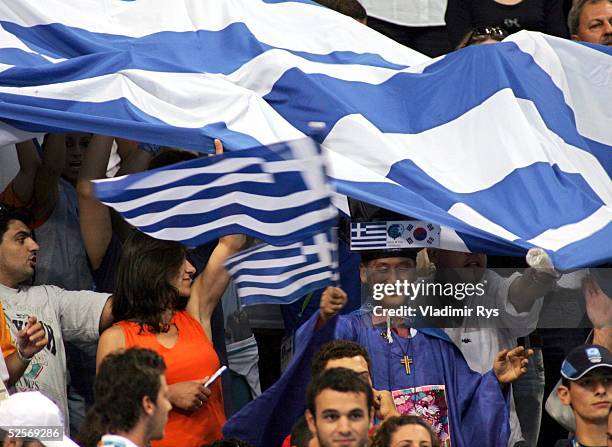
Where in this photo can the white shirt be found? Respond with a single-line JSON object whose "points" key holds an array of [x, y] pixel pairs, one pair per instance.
{"points": [[480, 344], [407, 13], [65, 315]]}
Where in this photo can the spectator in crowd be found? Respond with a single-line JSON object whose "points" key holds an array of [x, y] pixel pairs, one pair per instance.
{"points": [[591, 21], [340, 408], [586, 387], [351, 8], [350, 355], [63, 262], [405, 431], [599, 312], [519, 299], [131, 400], [383, 267], [513, 15], [420, 27], [158, 305], [15, 359], [38, 417], [76, 316], [104, 231]]}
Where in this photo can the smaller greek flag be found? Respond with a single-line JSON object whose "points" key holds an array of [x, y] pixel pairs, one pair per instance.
{"points": [[268, 274], [368, 235], [276, 193]]}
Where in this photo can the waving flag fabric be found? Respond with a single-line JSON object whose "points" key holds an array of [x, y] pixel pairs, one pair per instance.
{"points": [[276, 193], [508, 145], [268, 274]]}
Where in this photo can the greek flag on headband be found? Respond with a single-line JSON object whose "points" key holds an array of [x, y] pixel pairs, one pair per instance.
{"points": [[276, 193], [368, 235], [380, 235], [507, 146], [281, 275]]}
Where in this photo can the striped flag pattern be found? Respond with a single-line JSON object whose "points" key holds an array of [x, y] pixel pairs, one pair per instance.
{"points": [[368, 235], [277, 193], [268, 274], [508, 146]]}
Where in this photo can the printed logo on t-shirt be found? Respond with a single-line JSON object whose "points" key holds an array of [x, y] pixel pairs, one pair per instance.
{"points": [[512, 23], [21, 319]]}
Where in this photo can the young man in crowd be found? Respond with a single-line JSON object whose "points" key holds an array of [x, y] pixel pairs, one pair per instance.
{"points": [[131, 400], [591, 21], [586, 387], [350, 355], [77, 316], [340, 408]]}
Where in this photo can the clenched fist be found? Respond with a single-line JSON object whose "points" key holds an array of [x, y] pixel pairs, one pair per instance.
{"points": [[332, 302]]}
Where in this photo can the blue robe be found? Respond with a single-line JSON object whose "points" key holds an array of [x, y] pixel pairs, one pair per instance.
{"points": [[477, 408]]}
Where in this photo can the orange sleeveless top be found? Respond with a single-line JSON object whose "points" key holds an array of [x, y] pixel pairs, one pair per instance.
{"points": [[192, 358]]}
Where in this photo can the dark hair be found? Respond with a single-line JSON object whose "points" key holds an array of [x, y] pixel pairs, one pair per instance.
{"points": [[351, 8], [229, 442], [143, 291], [338, 379], [337, 349], [382, 437], [300, 433], [123, 380], [9, 213], [168, 156], [565, 382]]}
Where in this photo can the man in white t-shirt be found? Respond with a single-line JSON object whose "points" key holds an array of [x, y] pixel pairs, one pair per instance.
{"points": [[518, 298], [76, 316]]}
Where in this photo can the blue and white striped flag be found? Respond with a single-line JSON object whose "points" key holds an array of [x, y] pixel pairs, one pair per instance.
{"points": [[277, 193], [368, 235], [508, 146], [268, 274]]}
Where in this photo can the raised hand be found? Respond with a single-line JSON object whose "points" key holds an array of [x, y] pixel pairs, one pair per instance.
{"points": [[598, 304], [332, 302], [510, 365]]}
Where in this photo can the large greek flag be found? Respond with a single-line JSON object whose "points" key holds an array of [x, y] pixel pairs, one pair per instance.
{"points": [[508, 146], [277, 193], [282, 275]]}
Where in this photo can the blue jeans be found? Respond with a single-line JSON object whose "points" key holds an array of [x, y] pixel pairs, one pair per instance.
{"points": [[528, 397]]}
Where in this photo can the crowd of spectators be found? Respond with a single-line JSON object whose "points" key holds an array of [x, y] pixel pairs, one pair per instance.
{"points": [[114, 335]]}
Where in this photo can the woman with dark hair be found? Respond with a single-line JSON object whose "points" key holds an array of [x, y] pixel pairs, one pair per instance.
{"points": [[158, 305], [403, 431]]}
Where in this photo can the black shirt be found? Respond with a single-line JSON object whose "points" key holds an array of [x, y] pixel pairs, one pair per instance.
{"points": [[533, 15]]}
